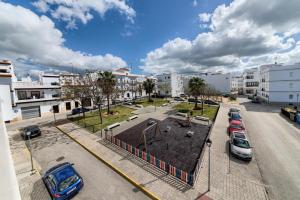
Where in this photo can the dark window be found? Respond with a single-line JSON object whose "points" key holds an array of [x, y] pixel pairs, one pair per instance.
{"points": [[55, 109], [68, 105], [35, 94], [22, 95]]}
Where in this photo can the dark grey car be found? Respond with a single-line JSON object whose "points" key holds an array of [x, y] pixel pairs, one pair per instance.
{"points": [[31, 132]]}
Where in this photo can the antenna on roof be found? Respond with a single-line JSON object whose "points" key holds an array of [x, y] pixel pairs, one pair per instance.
{"points": [[275, 60]]}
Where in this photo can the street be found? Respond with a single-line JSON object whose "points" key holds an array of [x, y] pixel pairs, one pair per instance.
{"points": [[276, 142], [100, 181]]}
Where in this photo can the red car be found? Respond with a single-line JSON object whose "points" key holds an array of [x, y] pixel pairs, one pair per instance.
{"points": [[235, 125]]}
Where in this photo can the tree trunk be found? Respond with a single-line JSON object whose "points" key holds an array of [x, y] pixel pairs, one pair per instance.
{"points": [[108, 111], [149, 96], [100, 113], [202, 106], [196, 101]]}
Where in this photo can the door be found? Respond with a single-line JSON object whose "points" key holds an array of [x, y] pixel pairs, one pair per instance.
{"points": [[55, 109], [76, 104], [68, 105], [30, 112]]}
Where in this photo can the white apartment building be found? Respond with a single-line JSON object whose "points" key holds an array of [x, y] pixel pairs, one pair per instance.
{"points": [[237, 83], [251, 81], [280, 83], [170, 84], [220, 81], [128, 84]]}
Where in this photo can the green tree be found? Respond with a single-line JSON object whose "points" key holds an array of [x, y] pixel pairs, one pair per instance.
{"points": [[148, 87], [197, 88], [107, 82]]}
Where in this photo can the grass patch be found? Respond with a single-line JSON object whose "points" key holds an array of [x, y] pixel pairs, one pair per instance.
{"points": [[157, 102], [209, 111], [92, 119]]}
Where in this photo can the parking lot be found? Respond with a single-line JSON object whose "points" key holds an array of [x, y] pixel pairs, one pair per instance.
{"points": [[101, 182]]}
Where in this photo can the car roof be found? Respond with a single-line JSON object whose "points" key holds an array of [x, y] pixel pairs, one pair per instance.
{"points": [[235, 122]]}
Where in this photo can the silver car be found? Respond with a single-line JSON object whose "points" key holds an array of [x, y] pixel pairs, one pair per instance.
{"points": [[240, 146]]}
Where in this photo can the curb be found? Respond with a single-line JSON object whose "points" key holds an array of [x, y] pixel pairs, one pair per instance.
{"points": [[139, 186]]}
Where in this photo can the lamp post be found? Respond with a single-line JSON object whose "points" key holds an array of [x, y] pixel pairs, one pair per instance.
{"points": [[297, 100], [208, 143], [30, 150]]}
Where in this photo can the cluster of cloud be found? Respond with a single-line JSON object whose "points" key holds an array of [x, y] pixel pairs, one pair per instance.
{"points": [[71, 11], [242, 34], [29, 38]]}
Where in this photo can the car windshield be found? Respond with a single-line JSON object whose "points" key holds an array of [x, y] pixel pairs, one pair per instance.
{"points": [[236, 126], [236, 116], [67, 182], [240, 135], [241, 143]]}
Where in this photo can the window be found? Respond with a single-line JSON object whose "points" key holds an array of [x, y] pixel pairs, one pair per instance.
{"points": [[291, 74], [35, 94], [291, 96], [22, 95]]}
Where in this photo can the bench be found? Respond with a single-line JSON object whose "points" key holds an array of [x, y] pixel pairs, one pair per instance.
{"points": [[139, 106], [202, 118], [132, 117], [181, 114], [113, 126]]}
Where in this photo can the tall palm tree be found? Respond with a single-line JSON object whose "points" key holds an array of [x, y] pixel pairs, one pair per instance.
{"points": [[197, 86], [107, 82], [148, 86]]}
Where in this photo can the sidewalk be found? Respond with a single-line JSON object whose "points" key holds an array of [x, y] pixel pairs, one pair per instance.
{"points": [[224, 185], [30, 184]]}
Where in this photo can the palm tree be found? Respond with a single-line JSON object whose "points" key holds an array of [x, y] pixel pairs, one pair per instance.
{"points": [[107, 82], [148, 86], [196, 86]]}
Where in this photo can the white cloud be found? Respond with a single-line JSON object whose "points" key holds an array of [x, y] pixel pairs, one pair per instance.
{"points": [[243, 33], [195, 3], [72, 10], [30, 38], [204, 17]]}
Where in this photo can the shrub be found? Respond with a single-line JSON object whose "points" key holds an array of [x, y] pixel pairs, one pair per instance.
{"points": [[184, 110]]}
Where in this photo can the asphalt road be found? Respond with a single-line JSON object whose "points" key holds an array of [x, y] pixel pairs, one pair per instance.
{"points": [[276, 143], [100, 181]]}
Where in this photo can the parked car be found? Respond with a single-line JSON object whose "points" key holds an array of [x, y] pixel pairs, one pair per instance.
{"points": [[31, 132], [235, 116], [255, 100], [240, 146], [233, 110], [210, 102], [235, 125], [79, 110], [194, 100], [62, 181], [178, 99]]}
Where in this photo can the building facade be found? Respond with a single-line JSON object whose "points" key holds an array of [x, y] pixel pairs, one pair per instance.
{"points": [[251, 81], [280, 83], [220, 81], [237, 84], [170, 84]]}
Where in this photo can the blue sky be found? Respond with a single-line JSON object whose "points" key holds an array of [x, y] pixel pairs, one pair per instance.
{"points": [[151, 36]]}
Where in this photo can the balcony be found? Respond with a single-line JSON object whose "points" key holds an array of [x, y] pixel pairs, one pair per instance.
{"points": [[33, 85], [28, 99]]}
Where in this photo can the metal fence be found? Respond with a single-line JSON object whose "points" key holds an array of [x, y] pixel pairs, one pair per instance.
{"points": [[172, 170]]}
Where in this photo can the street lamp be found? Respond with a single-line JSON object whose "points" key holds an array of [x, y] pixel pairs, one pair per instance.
{"points": [[297, 100], [208, 143]]}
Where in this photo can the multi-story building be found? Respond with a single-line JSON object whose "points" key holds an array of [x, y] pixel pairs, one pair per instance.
{"points": [[170, 84], [220, 81], [129, 86], [280, 83], [237, 84], [250, 81]]}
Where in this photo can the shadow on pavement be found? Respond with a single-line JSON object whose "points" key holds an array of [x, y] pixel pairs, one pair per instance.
{"points": [[39, 191], [159, 174]]}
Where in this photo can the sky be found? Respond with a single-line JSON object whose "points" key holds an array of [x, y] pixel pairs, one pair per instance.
{"points": [[148, 36]]}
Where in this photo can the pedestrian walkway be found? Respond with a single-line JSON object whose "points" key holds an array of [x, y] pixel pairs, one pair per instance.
{"points": [[224, 184], [30, 183]]}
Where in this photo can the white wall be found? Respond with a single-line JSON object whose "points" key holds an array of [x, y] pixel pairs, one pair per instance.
{"points": [[221, 82], [5, 98]]}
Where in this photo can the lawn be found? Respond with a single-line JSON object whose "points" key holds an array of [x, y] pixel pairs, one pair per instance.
{"points": [[157, 102], [92, 119], [209, 111]]}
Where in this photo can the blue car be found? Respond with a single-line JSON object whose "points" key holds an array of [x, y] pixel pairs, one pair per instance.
{"points": [[235, 116], [62, 181], [79, 110]]}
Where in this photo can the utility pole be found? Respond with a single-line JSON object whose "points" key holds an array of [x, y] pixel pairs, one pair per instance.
{"points": [[208, 143], [30, 150]]}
